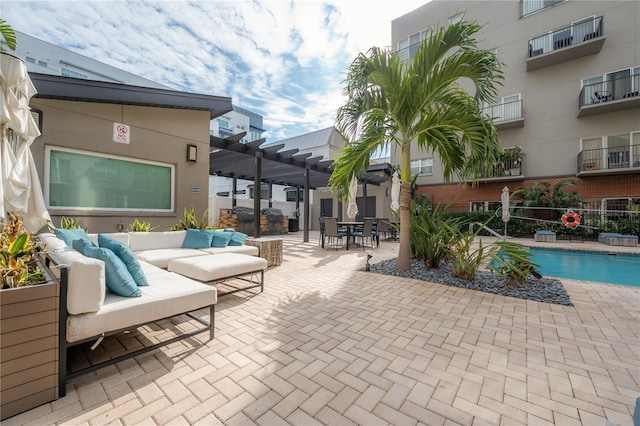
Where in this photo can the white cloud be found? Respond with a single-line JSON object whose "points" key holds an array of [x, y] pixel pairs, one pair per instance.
{"points": [[282, 59]]}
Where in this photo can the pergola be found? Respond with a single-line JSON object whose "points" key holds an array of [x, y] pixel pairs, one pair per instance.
{"points": [[230, 158]]}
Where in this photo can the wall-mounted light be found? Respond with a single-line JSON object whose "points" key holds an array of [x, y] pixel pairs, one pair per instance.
{"points": [[192, 153]]}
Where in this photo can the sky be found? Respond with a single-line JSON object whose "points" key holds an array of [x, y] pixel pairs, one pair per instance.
{"points": [[285, 60]]}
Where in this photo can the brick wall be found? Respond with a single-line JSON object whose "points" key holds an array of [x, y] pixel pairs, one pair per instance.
{"points": [[590, 188]]}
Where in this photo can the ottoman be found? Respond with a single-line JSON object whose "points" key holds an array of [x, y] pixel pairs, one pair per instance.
{"points": [[219, 267]]}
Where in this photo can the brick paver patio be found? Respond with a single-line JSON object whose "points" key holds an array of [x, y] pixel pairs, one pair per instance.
{"points": [[327, 343]]}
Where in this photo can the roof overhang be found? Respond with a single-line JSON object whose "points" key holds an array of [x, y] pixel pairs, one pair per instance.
{"points": [[80, 90]]}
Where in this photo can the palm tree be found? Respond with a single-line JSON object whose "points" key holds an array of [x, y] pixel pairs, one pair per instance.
{"points": [[8, 34], [395, 102]]}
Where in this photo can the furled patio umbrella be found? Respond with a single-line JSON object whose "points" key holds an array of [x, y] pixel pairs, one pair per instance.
{"points": [[352, 207], [395, 192], [505, 208], [19, 184]]}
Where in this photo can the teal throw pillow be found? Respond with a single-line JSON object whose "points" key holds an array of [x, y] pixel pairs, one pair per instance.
{"points": [[221, 238], [237, 239], [197, 238], [69, 235], [126, 255], [117, 278]]}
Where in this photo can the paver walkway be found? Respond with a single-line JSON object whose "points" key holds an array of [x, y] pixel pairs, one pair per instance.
{"points": [[327, 343]]}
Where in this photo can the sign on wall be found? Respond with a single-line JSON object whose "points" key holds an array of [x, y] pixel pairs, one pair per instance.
{"points": [[121, 133]]}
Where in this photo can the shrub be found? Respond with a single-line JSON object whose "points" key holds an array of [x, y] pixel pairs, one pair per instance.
{"points": [[190, 222], [513, 263], [432, 234], [465, 261], [138, 226]]}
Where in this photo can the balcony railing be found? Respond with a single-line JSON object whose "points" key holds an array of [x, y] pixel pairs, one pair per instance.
{"points": [[527, 7], [610, 90], [574, 34], [506, 168], [613, 158], [504, 113]]}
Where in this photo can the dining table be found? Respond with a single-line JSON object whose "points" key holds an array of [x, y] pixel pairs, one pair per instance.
{"points": [[350, 226]]}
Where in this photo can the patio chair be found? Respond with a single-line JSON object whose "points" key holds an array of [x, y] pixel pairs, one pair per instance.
{"points": [[385, 230], [367, 232], [332, 233]]}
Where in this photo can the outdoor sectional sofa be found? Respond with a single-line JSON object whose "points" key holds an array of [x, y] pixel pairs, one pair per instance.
{"points": [[177, 279]]}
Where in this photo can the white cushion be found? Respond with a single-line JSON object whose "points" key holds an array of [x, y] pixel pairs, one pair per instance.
{"points": [[123, 237], [140, 241], [249, 250], [217, 266], [51, 242], [87, 289], [167, 295], [161, 257]]}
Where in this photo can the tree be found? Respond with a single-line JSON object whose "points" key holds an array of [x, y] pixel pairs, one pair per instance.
{"points": [[391, 102], [8, 34], [542, 194]]}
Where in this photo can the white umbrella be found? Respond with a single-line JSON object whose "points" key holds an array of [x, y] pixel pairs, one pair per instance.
{"points": [[352, 207], [505, 208], [395, 192], [19, 184]]}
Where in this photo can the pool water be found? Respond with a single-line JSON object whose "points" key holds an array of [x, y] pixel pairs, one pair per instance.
{"points": [[588, 265]]}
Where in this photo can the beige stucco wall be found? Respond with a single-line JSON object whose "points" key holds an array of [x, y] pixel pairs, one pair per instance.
{"points": [[552, 132], [157, 134]]}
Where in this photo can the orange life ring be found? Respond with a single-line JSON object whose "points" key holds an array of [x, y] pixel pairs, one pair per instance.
{"points": [[571, 219]]}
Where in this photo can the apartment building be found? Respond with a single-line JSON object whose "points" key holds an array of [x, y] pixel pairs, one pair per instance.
{"points": [[569, 106]]}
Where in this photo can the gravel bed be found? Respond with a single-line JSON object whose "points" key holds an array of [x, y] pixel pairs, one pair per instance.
{"points": [[540, 290]]}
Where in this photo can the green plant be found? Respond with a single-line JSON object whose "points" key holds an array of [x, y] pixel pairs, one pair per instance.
{"points": [[190, 222], [70, 223], [432, 233], [19, 256], [138, 226], [465, 261], [513, 262], [8, 34]]}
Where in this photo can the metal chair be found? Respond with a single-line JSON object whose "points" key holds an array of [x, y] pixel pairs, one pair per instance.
{"points": [[367, 231], [321, 238], [332, 232]]}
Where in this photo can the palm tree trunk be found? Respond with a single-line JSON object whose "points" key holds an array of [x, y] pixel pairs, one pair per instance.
{"points": [[404, 262]]}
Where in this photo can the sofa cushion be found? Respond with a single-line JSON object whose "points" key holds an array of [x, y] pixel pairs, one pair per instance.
{"points": [[221, 239], [123, 237], [117, 277], [161, 257], [86, 278], [197, 238], [51, 242], [125, 254], [169, 294], [69, 235], [244, 249], [140, 241]]}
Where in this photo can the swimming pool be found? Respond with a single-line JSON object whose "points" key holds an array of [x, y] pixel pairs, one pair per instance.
{"points": [[588, 265]]}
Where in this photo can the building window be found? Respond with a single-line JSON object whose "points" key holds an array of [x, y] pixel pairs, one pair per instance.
{"points": [[86, 180], [264, 192], [291, 195], [30, 60], [532, 6], [456, 18], [42, 64], [422, 166], [70, 73], [223, 124], [408, 47], [612, 86]]}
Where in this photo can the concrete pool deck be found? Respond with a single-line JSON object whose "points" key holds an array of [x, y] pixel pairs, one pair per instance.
{"points": [[327, 343]]}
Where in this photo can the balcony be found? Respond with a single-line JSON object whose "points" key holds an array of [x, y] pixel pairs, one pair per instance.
{"points": [[507, 169], [506, 115], [609, 96], [579, 39], [609, 161], [527, 7]]}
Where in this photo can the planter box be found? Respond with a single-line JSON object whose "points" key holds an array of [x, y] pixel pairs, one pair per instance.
{"points": [[29, 318]]}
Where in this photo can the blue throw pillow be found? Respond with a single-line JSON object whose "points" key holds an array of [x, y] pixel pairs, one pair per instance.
{"points": [[237, 239], [221, 238], [126, 255], [69, 235], [197, 238], [117, 278]]}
